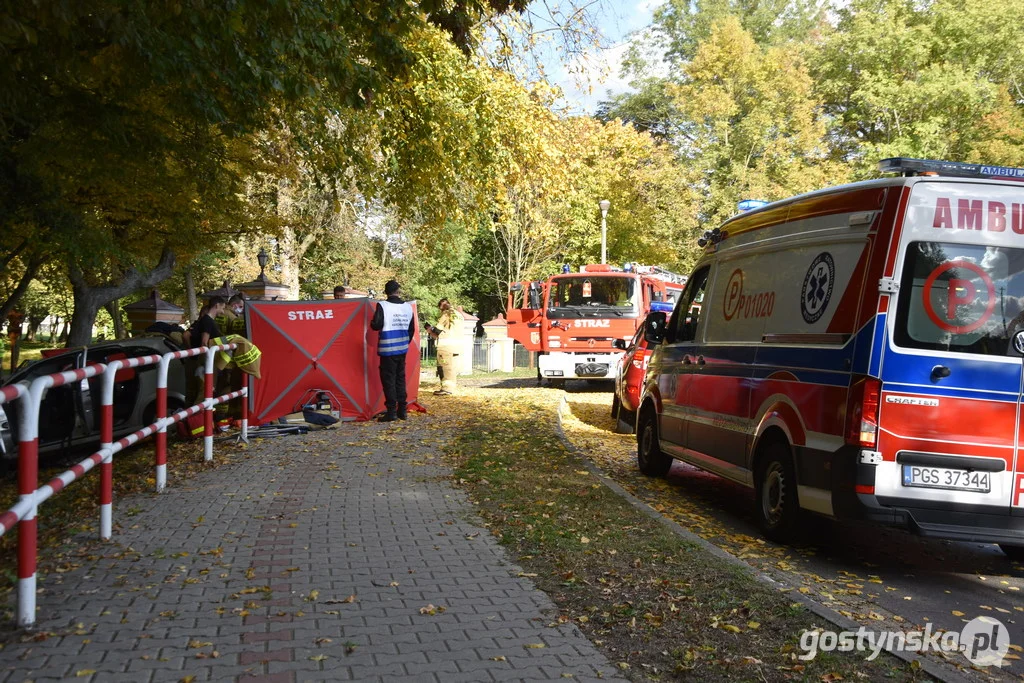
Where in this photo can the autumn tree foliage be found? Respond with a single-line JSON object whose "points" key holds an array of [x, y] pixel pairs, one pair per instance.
{"points": [[126, 129], [763, 101]]}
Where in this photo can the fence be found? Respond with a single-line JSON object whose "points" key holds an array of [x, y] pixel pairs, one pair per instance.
{"points": [[31, 496]]}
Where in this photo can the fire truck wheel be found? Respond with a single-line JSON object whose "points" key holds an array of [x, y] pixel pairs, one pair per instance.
{"points": [[651, 460], [557, 383], [777, 507], [1014, 552]]}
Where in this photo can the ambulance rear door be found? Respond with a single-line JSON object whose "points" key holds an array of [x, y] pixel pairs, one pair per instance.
{"points": [[949, 418]]}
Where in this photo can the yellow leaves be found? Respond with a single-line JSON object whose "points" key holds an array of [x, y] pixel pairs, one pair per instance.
{"points": [[432, 610], [534, 646], [81, 673], [731, 628], [318, 658], [957, 613], [313, 595], [753, 625], [499, 658], [196, 644], [653, 619]]}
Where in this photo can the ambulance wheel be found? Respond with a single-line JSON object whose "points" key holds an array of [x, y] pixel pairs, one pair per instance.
{"points": [[557, 383], [651, 460], [777, 507], [1014, 552]]}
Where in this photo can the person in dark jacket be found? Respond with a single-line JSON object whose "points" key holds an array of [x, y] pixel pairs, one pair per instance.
{"points": [[396, 323]]}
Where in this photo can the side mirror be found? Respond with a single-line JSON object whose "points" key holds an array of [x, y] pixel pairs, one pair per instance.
{"points": [[619, 344], [1018, 342], [654, 328], [534, 295], [515, 287]]}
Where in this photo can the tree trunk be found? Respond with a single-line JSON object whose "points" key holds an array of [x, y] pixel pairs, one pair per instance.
{"points": [[33, 328], [64, 332], [288, 248], [190, 297], [88, 299], [114, 309], [12, 301]]}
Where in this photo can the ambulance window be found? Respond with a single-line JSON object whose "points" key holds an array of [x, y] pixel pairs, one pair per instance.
{"points": [[686, 315], [967, 298]]}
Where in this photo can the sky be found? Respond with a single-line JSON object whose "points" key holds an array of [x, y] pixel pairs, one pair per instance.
{"points": [[600, 68]]}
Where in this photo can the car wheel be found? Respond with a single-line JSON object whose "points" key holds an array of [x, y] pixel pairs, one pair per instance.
{"points": [[149, 415], [615, 406], [777, 507], [1014, 552], [557, 383], [651, 460]]}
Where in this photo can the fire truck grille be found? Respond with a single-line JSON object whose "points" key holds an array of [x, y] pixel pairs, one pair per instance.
{"points": [[591, 369]]}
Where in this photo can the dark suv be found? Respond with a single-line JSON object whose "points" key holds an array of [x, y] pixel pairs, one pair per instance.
{"points": [[69, 415]]}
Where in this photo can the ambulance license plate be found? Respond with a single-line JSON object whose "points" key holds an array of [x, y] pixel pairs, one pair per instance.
{"points": [[945, 478]]}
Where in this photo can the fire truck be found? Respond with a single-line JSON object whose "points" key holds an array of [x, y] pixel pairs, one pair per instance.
{"points": [[573, 318]]}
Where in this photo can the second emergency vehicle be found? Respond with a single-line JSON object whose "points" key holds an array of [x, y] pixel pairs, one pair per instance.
{"points": [[853, 355], [572, 319]]}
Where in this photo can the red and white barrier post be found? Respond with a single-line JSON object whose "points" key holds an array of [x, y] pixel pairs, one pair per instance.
{"points": [[106, 449], [160, 440], [245, 407], [28, 479], [208, 405]]}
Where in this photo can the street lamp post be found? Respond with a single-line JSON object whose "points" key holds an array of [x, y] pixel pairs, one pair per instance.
{"points": [[604, 204]]}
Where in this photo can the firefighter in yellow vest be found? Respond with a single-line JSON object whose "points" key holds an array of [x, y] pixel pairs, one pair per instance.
{"points": [[448, 333], [232, 320]]}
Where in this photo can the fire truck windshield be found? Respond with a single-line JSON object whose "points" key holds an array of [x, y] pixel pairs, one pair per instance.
{"points": [[583, 295]]}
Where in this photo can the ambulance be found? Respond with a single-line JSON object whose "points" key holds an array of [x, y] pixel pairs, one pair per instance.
{"points": [[856, 352]]}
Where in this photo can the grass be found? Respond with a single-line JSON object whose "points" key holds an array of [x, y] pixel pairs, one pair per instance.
{"points": [[659, 607]]}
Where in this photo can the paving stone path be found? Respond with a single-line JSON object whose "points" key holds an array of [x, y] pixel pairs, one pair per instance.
{"points": [[338, 555]]}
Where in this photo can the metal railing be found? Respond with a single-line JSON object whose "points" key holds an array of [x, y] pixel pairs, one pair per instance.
{"points": [[31, 495]]}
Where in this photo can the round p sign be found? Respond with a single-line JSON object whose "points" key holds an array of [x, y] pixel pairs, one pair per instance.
{"points": [[970, 297]]}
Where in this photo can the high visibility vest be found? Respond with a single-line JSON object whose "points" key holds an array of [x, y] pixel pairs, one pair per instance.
{"points": [[224, 321], [394, 336], [247, 357]]}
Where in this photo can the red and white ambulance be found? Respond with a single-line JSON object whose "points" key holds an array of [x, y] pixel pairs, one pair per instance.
{"points": [[853, 355]]}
